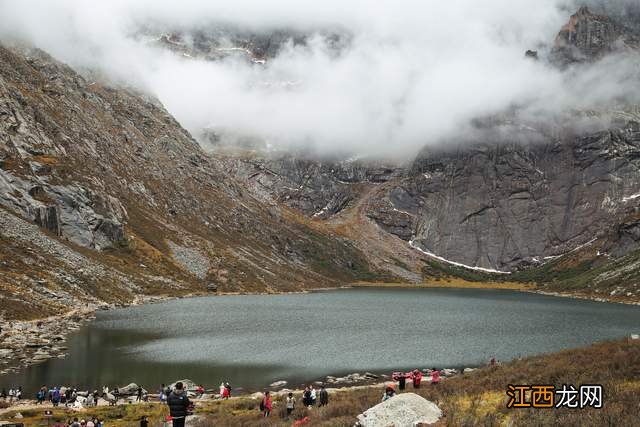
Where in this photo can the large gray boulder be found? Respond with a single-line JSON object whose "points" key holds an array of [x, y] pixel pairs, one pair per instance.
{"points": [[186, 384], [403, 410], [130, 390]]}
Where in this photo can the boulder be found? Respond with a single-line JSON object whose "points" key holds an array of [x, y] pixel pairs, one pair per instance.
{"points": [[278, 384], [407, 409], [187, 385], [130, 390]]}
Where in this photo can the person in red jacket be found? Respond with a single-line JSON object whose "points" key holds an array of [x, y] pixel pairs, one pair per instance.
{"points": [[417, 378], [435, 376], [265, 405]]}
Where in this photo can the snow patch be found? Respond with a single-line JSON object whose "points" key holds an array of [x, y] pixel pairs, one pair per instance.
{"points": [[457, 264], [631, 197]]}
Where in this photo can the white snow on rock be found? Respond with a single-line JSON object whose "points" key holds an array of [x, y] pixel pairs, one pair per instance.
{"points": [[403, 410], [457, 264], [631, 197]]}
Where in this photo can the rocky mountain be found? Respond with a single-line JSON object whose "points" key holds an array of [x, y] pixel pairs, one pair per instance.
{"points": [[588, 36], [508, 205], [105, 198], [529, 199]]}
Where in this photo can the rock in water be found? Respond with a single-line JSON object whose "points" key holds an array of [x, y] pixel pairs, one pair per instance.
{"points": [[403, 410]]}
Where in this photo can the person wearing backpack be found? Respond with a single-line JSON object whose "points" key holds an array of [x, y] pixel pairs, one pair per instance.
{"points": [[291, 404], [265, 404], [324, 396], [178, 405], [55, 396], [306, 397]]}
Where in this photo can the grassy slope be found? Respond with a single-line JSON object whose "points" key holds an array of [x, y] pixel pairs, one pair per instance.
{"points": [[474, 399]]}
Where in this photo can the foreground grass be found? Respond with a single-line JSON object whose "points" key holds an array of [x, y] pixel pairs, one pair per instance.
{"points": [[474, 399]]}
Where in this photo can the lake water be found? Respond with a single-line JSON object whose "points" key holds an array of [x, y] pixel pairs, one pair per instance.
{"points": [[252, 341]]}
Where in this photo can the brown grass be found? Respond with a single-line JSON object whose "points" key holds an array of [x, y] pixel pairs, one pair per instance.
{"points": [[467, 400]]}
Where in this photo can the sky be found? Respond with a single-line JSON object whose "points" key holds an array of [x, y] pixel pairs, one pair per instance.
{"points": [[413, 73]]}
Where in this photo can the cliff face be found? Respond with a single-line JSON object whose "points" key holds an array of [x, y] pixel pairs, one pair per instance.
{"points": [[110, 175], [588, 36], [509, 205], [491, 202]]}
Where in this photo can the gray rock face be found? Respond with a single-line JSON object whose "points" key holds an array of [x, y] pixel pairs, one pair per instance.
{"points": [[31, 146], [109, 169], [589, 36], [318, 188], [508, 205]]}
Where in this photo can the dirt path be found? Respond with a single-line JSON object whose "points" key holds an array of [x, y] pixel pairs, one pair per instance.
{"points": [[384, 250]]}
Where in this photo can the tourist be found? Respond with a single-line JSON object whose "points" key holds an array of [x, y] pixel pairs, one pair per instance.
{"points": [[223, 391], [55, 396], [265, 404], [435, 376], [90, 423], [68, 393], [306, 397], [11, 394], [19, 393], [75, 423], [388, 393], [402, 381], [291, 404], [178, 405], [167, 391], [144, 422], [161, 396], [200, 391], [417, 378], [228, 387], [95, 397], [63, 396], [40, 397], [324, 396], [313, 396], [139, 394]]}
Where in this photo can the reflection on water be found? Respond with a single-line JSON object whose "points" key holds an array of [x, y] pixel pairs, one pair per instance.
{"points": [[252, 341]]}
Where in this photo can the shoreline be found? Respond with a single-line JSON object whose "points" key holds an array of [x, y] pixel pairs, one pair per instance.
{"points": [[24, 343]]}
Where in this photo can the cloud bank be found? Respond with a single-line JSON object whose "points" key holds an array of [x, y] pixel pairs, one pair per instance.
{"points": [[411, 74]]}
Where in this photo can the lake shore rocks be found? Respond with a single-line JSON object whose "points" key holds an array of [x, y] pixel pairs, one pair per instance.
{"points": [[407, 409], [23, 343]]}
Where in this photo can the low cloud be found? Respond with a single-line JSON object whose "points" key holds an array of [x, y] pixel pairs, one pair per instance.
{"points": [[412, 72]]}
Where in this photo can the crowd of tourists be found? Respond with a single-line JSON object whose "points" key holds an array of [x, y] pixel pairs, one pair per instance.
{"points": [[11, 395], [180, 406]]}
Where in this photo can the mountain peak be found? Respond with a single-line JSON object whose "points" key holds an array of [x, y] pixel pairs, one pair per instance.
{"points": [[587, 36]]}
